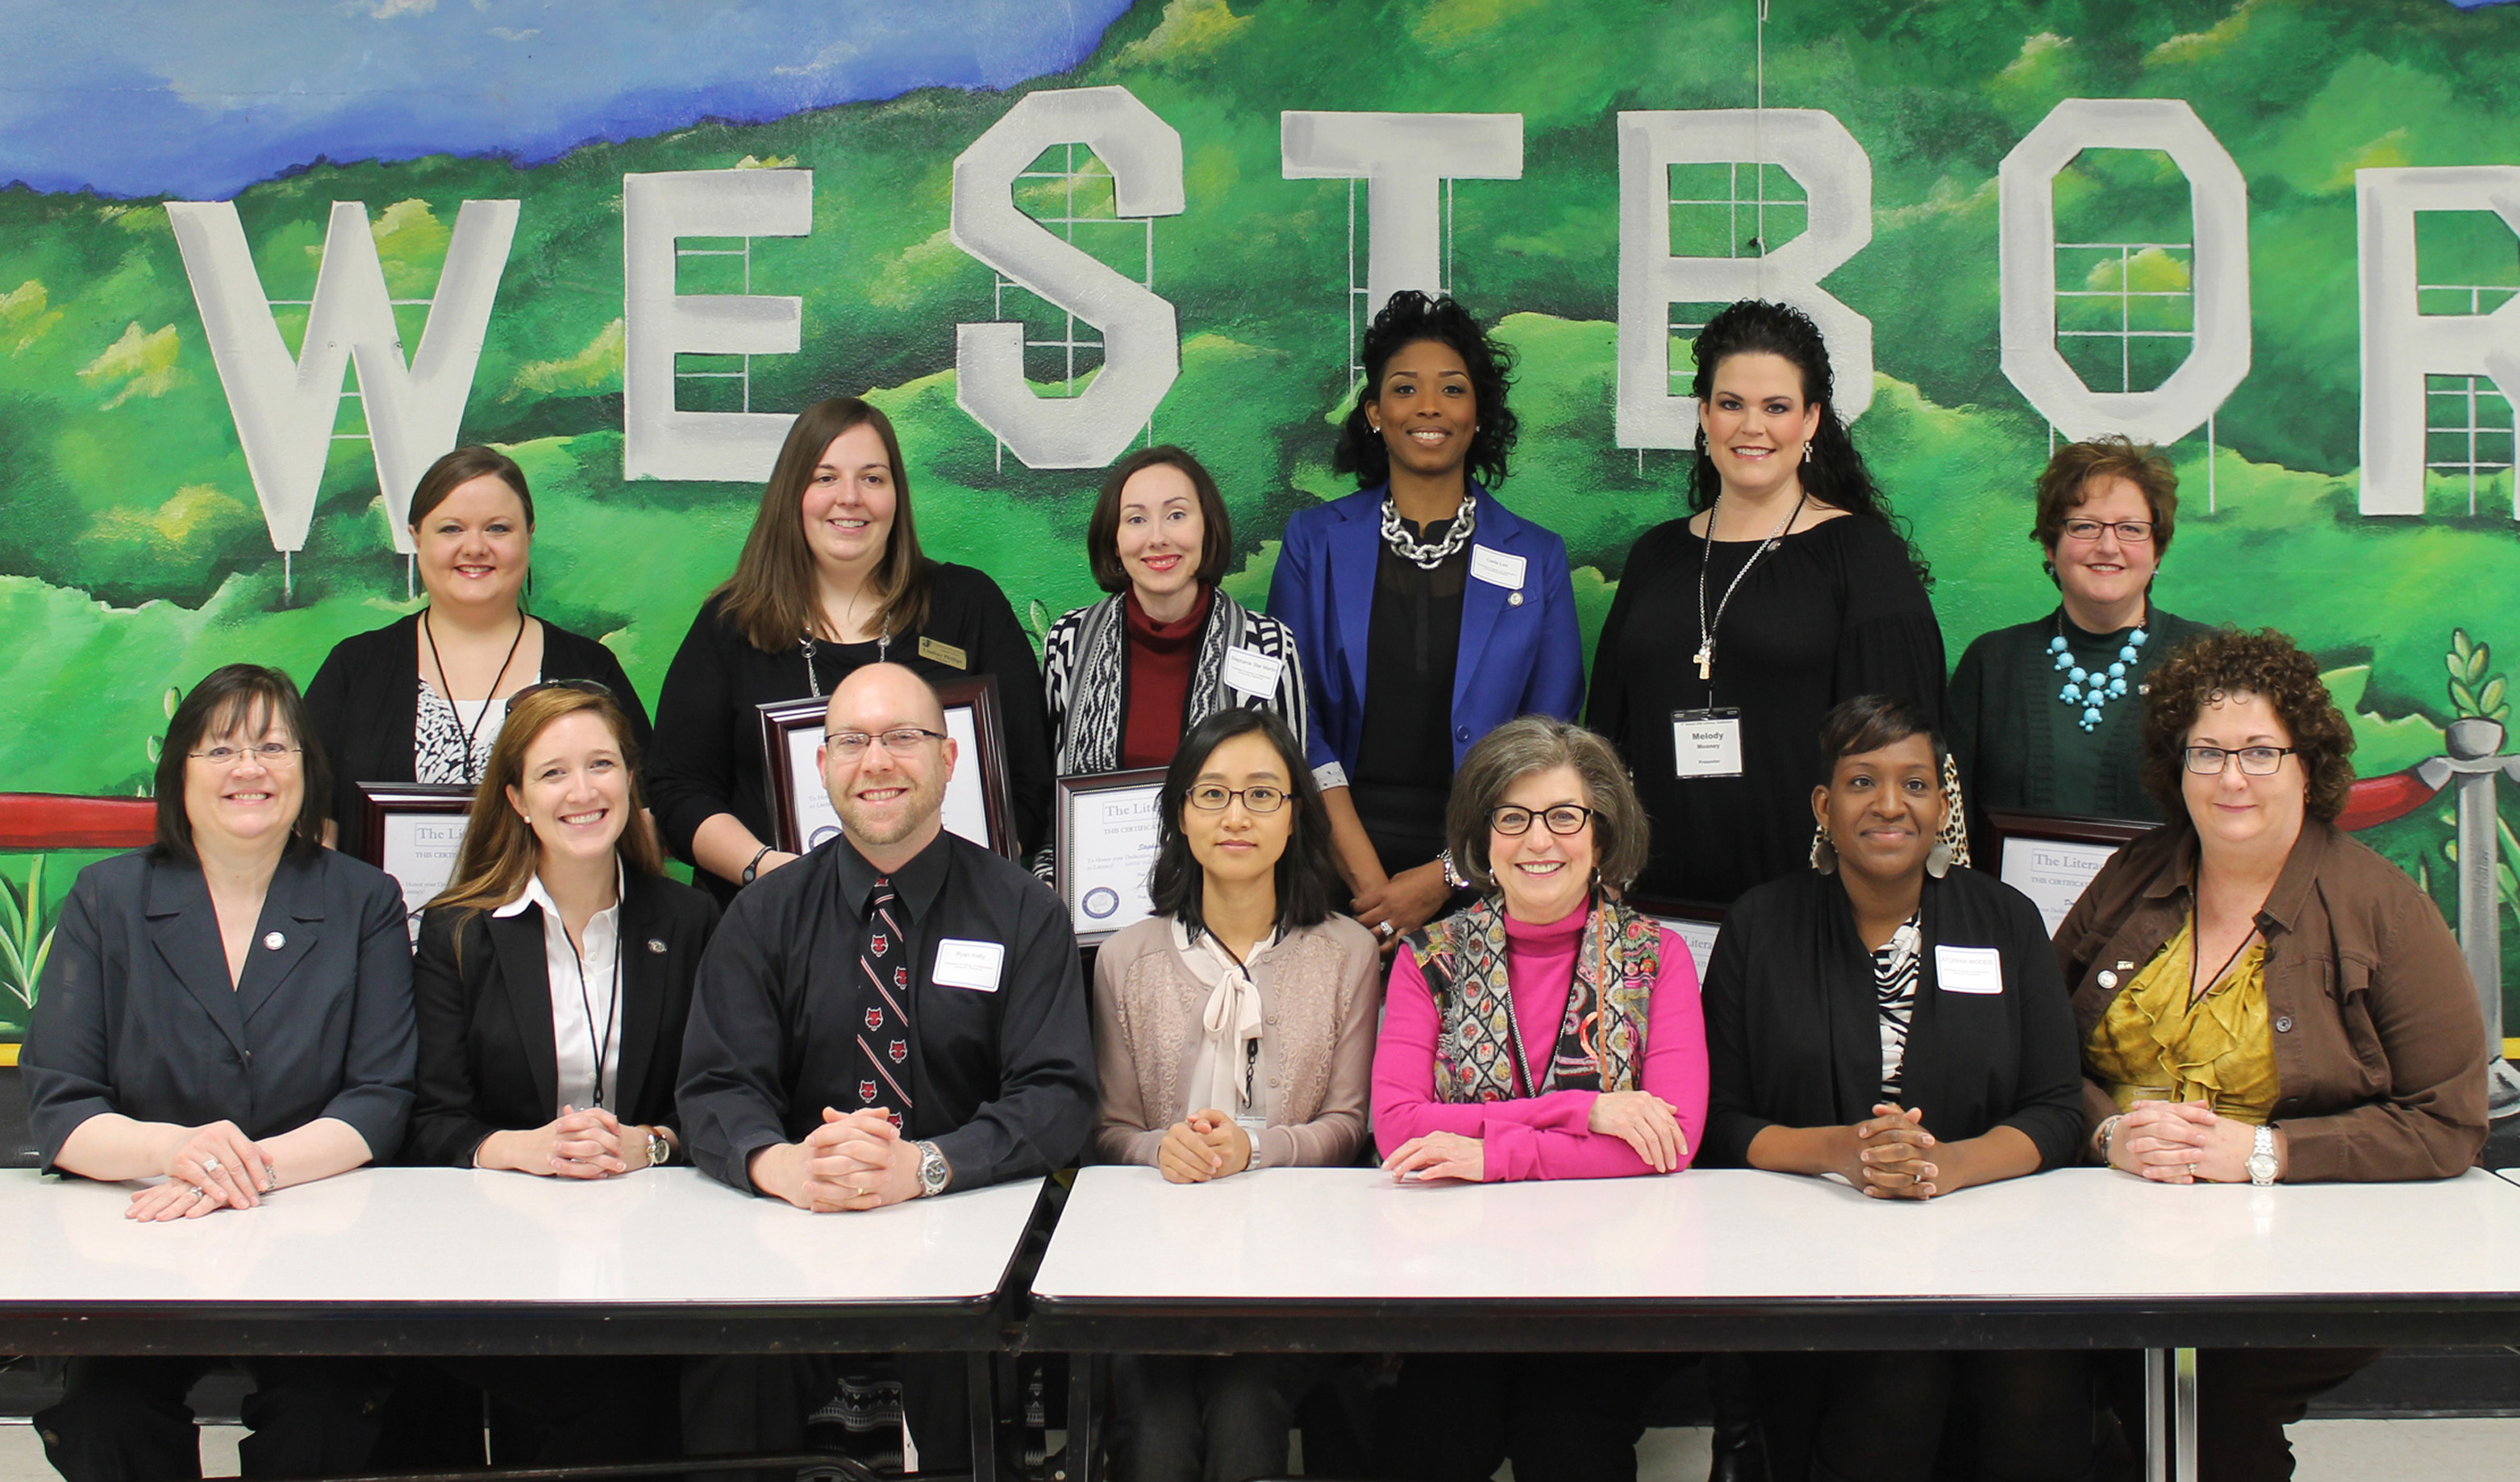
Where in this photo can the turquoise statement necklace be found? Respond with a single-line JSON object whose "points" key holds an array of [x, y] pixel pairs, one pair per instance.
{"points": [[2089, 690]]}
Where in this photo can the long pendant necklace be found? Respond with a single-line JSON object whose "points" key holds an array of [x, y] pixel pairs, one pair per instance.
{"points": [[813, 682], [2090, 690], [446, 691], [1706, 626]]}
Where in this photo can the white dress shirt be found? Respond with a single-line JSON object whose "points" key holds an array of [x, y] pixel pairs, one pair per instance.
{"points": [[585, 995]]}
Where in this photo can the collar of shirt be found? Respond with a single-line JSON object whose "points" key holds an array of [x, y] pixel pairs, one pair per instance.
{"points": [[534, 894], [918, 883]]}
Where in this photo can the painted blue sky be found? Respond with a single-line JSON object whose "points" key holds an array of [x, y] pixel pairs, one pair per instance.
{"points": [[199, 98]]}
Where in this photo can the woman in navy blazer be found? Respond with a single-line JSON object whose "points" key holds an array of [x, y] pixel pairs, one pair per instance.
{"points": [[1459, 611], [230, 1009]]}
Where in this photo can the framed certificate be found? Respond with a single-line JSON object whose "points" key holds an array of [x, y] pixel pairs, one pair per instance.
{"points": [[2050, 857], [978, 801], [1691, 923], [415, 829], [1107, 827]]}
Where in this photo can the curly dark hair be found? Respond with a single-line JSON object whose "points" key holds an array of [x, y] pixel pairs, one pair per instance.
{"points": [[1412, 318], [2265, 663], [1836, 474]]}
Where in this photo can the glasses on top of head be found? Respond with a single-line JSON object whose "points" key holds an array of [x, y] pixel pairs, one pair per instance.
{"points": [[581, 686], [269, 753], [1211, 798], [1566, 818], [2135, 532], [900, 741], [2256, 761]]}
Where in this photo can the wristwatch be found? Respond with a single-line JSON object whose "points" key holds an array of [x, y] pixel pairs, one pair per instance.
{"points": [[659, 1151], [2262, 1157], [934, 1172]]}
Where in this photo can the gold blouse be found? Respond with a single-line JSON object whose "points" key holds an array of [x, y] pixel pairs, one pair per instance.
{"points": [[2155, 1045]]}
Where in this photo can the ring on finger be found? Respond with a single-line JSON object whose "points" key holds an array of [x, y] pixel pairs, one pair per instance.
{"points": [[210, 1165], [199, 1192], [1383, 928]]}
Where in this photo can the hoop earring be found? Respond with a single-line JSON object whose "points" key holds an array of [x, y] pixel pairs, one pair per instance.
{"points": [[1824, 851]]}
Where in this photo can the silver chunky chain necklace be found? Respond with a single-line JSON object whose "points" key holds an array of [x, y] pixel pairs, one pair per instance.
{"points": [[1427, 558]]}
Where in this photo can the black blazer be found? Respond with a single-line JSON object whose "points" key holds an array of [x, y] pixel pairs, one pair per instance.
{"points": [[136, 1013], [364, 704], [1793, 1028], [487, 1058]]}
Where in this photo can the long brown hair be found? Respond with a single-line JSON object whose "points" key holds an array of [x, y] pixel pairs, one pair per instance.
{"points": [[771, 599], [500, 850]]}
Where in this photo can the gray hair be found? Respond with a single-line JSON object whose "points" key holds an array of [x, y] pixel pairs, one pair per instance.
{"points": [[1540, 743]]}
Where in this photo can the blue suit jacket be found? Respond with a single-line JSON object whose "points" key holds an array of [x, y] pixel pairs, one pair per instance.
{"points": [[1515, 656]]}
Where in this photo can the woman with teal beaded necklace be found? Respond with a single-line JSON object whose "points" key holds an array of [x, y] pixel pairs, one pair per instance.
{"points": [[2042, 715]]}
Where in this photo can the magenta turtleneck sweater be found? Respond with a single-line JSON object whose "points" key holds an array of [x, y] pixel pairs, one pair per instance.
{"points": [[1542, 1137]]}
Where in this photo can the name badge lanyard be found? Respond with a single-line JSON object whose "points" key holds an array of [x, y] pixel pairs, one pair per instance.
{"points": [[1251, 1047], [612, 1009], [1707, 626]]}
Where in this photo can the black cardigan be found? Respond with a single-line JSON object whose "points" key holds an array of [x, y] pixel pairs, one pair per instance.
{"points": [[1793, 1033], [486, 1056], [708, 722], [364, 704]]}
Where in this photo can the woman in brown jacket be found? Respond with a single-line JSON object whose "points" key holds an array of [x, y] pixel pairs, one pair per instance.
{"points": [[1233, 1030], [2260, 997]]}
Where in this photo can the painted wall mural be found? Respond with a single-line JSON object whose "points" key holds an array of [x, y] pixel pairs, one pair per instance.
{"points": [[262, 263]]}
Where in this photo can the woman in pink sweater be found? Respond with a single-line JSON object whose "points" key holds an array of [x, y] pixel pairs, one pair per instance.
{"points": [[1546, 1032]]}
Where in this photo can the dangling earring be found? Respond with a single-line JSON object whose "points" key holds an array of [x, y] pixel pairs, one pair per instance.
{"points": [[1806, 452], [1938, 860], [1824, 850]]}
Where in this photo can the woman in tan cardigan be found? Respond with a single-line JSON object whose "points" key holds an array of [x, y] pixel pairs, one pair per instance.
{"points": [[1233, 1030]]}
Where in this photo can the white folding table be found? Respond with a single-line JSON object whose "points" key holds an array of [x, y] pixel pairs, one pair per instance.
{"points": [[1728, 1261]]}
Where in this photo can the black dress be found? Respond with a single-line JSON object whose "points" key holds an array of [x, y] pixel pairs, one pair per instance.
{"points": [[1404, 763], [1831, 612], [364, 704], [708, 759]]}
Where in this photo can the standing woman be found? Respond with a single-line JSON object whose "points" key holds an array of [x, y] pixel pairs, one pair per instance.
{"points": [[1897, 1021], [831, 578], [228, 1012], [553, 978], [1736, 629], [1426, 612], [420, 700], [2045, 715], [1234, 1029], [1129, 676]]}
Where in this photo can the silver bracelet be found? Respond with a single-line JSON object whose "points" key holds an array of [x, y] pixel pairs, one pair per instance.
{"points": [[2108, 1131]]}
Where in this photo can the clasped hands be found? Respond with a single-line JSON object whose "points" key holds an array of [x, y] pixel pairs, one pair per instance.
{"points": [[592, 1143], [2181, 1142], [1888, 1156], [1640, 1119], [1209, 1145], [1402, 904], [212, 1167], [856, 1161]]}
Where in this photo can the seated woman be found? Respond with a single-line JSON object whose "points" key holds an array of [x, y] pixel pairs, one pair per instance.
{"points": [[419, 699], [1545, 1032], [2044, 715], [1233, 1030], [1951, 1064], [229, 1012], [546, 1047], [2261, 999], [1127, 677]]}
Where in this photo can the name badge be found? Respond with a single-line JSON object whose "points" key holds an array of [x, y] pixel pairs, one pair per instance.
{"points": [[970, 964], [1253, 673], [1706, 742], [1968, 969], [944, 654], [1495, 568]]}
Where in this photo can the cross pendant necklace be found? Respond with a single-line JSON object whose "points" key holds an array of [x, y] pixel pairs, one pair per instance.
{"points": [[1705, 662]]}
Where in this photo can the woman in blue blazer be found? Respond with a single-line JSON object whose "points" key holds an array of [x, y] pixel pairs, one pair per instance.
{"points": [[230, 1009], [1460, 611]]}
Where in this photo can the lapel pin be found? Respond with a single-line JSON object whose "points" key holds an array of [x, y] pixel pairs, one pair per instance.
{"points": [[656, 945], [2108, 980], [274, 940], [1514, 601]]}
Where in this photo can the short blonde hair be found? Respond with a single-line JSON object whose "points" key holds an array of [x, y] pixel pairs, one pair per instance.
{"points": [[1539, 744]]}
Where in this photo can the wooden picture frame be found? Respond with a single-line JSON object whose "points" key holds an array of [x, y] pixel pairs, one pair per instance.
{"points": [[408, 836], [2050, 857], [1694, 923], [1104, 888], [980, 797]]}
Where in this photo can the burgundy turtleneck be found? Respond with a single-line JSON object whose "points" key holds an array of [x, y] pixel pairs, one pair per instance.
{"points": [[1160, 658]]}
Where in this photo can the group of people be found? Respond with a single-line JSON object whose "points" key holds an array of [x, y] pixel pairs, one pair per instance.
{"points": [[1414, 916]]}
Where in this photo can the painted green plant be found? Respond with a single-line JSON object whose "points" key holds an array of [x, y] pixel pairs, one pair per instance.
{"points": [[26, 935], [2474, 693]]}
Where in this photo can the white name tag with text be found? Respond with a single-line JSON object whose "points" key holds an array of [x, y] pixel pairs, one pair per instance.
{"points": [[1968, 969], [1253, 673], [970, 964], [1706, 742], [1495, 568]]}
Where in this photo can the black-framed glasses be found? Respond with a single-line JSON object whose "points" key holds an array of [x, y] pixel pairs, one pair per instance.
{"points": [[1564, 819], [580, 686], [2135, 532], [900, 741], [2256, 761], [1260, 798], [269, 753]]}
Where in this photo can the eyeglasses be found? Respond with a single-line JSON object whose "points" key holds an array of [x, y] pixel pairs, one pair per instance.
{"points": [[900, 741], [269, 753], [2135, 532], [1564, 819], [2256, 761], [1211, 798]]}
